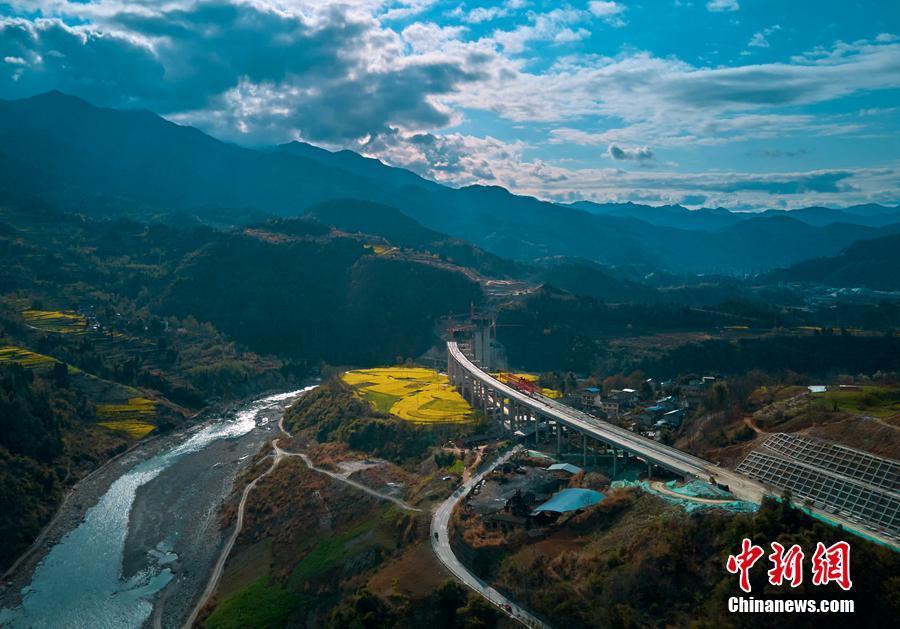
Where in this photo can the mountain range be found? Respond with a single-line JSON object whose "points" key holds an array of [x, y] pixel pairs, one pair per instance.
{"points": [[108, 162], [868, 263]]}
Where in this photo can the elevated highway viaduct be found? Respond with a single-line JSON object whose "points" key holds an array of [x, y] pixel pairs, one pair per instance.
{"points": [[530, 414]]}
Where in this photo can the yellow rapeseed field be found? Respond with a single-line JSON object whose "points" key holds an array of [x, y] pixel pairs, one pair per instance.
{"points": [[412, 393], [137, 408], [55, 321], [26, 358], [134, 429], [133, 417]]}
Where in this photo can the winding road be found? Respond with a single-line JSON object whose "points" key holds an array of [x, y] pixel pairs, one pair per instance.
{"points": [[216, 574], [662, 488], [440, 543], [278, 454]]}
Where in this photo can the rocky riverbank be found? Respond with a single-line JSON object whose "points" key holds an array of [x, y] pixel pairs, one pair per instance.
{"points": [[94, 559]]}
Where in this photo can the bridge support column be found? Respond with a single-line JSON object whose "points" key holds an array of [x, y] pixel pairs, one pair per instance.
{"points": [[584, 450], [649, 469], [558, 438], [615, 469]]}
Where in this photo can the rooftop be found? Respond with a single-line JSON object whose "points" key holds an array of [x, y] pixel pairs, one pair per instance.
{"points": [[565, 467], [571, 499]]}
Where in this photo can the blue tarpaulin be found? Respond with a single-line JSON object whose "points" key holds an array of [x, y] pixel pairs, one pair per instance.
{"points": [[571, 500]]}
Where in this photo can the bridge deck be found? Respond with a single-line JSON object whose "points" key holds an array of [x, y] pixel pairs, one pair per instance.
{"points": [[740, 485], [647, 449]]}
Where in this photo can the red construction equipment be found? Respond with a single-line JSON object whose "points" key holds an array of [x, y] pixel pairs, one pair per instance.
{"points": [[517, 382]]}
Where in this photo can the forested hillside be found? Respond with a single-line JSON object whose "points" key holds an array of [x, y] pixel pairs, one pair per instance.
{"points": [[869, 263]]}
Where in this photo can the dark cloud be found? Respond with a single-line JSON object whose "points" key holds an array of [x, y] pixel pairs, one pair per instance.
{"points": [[236, 68], [109, 69], [637, 153], [831, 181]]}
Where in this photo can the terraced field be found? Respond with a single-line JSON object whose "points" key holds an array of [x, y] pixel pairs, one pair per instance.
{"points": [[133, 417], [56, 321], [418, 395], [26, 358]]}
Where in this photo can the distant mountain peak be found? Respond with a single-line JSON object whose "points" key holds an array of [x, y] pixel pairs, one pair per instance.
{"points": [[69, 153]]}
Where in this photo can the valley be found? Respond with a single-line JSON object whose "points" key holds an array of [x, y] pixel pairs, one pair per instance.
{"points": [[164, 462]]}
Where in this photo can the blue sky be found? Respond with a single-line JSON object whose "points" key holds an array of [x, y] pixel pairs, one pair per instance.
{"points": [[747, 104]]}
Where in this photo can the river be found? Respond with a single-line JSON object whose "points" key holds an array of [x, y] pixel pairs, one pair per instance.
{"points": [[141, 553]]}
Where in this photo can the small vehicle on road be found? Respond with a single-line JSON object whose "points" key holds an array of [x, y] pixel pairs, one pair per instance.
{"points": [[436, 535]]}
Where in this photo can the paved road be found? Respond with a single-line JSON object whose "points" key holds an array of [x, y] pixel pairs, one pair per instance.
{"points": [[441, 546], [665, 456], [742, 487], [661, 487]]}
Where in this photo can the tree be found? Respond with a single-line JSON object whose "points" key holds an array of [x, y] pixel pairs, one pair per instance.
{"points": [[477, 614]]}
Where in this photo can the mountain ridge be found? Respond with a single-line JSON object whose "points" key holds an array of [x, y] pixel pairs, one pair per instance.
{"points": [[85, 158]]}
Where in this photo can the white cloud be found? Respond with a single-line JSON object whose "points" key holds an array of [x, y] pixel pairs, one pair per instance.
{"points": [[425, 37], [760, 39], [609, 12], [667, 101], [484, 14], [636, 153], [559, 25], [346, 75], [723, 5], [458, 159], [604, 9], [404, 9]]}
